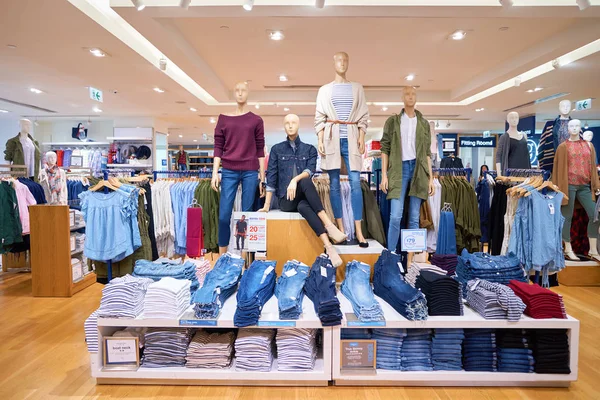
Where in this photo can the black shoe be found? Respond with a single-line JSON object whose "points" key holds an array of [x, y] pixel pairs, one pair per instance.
{"points": [[364, 245]]}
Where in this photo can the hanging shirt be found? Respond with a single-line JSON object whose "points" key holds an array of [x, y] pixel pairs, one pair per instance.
{"points": [[579, 162], [343, 100], [408, 134], [24, 199], [28, 154]]}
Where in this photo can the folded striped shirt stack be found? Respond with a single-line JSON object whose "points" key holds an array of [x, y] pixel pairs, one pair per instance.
{"points": [[494, 300], [254, 349], [296, 349], [91, 332], [123, 297], [210, 350]]}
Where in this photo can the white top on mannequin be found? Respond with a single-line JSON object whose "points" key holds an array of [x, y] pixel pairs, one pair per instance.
{"points": [[408, 127], [28, 146], [564, 107]]}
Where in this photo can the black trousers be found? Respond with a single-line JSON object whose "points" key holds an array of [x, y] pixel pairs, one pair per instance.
{"points": [[237, 241], [307, 203]]}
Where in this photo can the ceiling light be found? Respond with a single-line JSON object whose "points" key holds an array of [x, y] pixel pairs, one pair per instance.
{"points": [[506, 3], [276, 35], [96, 110], [98, 52], [193, 109], [158, 90], [437, 124], [283, 78], [583, 4], [257, 106], [180, 135], [479, 109], [384, 108], [3, 111], [410, 77], [11, 46], [36, 91], [286, 109], [213, 121], [319, 3], [185, 4], [248, 4], [458, 35], [368, 121], [448, 124], [138, 4], [195, 140], [586, 126]]}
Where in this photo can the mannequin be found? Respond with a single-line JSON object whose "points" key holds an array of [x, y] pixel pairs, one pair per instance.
{"points": [[406, 164], [24, 150], [291, 165], [54, 181], [588, 136], [512, 149], [341, 124], [576, 175], [182, 159], [239, 144], [555, 132]]}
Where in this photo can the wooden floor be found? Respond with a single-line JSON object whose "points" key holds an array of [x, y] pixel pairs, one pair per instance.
{"points": [[43, 356]]}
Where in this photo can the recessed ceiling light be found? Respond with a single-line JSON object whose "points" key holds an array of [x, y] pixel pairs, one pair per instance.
{"points": [[384, 108], [138, 4], [11, 46], [158, 90], [213, 121], [98, 52], [36, 91], [276, 35], [193, 109], [479, 109], [410, 77], [248, 4], [257, 106], [195, 140], [503, 28], [286, 109], [180, 135], [283, 78], [537, 89], [368, 121], [3, 111], [458, 35], [96, 110]]}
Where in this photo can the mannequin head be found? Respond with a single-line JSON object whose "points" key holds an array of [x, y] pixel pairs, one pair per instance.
{"points": [[25, 126], [240, 92], [432, 127], [341, 61], [574, 129], [564, 107], [291, 123], [181, 147], [513, 119], [409, 96], [51, 158], [588, 136]]}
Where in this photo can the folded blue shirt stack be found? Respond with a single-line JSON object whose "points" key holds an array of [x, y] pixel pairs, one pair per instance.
{"points": [[163, 268]]}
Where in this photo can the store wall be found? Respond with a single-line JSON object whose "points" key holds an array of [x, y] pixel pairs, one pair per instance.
{"points": [[60, 130]]}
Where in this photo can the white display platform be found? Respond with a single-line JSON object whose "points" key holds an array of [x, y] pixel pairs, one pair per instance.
{"points": [[470, 319], [320, 376]]}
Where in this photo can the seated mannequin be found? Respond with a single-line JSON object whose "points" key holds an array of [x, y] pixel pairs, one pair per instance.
{"points": [[291, 165]]}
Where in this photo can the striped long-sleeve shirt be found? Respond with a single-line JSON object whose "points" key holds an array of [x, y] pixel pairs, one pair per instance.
{"points": [[342, 100]]}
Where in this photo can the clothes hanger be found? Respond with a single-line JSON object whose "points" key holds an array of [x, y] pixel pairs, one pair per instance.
{"points": [[101, 185]]}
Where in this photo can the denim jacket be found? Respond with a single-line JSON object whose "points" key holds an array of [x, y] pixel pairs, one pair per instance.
{"points": [[282, 160]]}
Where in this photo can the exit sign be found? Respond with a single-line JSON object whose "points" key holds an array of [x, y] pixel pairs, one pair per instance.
{"points": [[583, 104], [96, 94]]}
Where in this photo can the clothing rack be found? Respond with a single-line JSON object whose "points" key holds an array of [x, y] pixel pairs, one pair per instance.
{"points": [[515, 172], [115, 171], [454, 172], [14, 170], [179, 174]]}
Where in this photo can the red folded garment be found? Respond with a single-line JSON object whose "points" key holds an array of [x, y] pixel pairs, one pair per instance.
{"points": [[541, 303], [194, 235]]}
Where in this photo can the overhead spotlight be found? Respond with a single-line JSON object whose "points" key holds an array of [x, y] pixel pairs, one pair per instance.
{"points": [[257, 106], [195, 140], [98, 52], [384, 108], [192, 109], [517, 81], [410, 77], [583, 4], [319, 3], [368, 121], [158, 90], [36, 91], [180, 136], [286, 109], [437, 124], [96, 110], [205, 136], [556, 63], [37, 124], [448, 124], [479, 109], [586, 126], [213, 121], [138, 4], [283, 78], [458, 35], [162, 64], [185, 4], [248, 4], [506, 3], [276, 35]]}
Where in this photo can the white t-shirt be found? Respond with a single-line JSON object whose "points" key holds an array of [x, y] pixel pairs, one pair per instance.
{"points": [[28, 154], [408, 133]]}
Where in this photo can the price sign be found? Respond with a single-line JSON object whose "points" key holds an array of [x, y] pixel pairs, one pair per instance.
{"points": [[121, 352], [414, 240], [358, 354], [250, 230]]}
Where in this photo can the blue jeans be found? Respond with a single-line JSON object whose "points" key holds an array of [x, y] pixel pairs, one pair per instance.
{"points": [[230, 181], [397, 206], [290, 289], [335, 192], [357, 289], [446, 241], [220, 283], [256, 288], [320, 289], [158, 269], [182, 167]]}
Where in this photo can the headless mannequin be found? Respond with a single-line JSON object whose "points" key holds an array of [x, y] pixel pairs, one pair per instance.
{"points": [[241, 92], [341, 63], [574, 136], [513, 121]]}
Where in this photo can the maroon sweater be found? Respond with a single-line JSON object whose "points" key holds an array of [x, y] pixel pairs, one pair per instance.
{"points": [[240, 141]]}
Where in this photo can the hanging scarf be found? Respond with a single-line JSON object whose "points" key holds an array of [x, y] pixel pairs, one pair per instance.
{"points": [[54, 180]]}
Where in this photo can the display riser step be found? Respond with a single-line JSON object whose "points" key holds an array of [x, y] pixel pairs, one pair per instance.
{"points": [[580, 273]]}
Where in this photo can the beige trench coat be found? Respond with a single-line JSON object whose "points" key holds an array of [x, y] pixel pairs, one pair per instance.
{"points": [[331, 138]]}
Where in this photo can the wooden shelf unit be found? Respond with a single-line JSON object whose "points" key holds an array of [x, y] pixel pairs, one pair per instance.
{"points": [[51, 271]]}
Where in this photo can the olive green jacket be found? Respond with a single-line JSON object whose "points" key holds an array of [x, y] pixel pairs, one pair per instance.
{"points": [[14, 153], [391, 144]]}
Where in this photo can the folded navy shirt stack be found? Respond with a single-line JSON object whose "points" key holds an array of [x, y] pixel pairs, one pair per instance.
{"points": [[551, 351], [442, 293], [514, 351], [479, 350]]}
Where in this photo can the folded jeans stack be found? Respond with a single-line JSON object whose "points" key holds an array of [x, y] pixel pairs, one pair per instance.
{"points": [[166, 347], [415, 269], [254, 349], [389, 284], [499, 269], [320, 289], [296, 349], [123, 297], [494, 300], [220, 283], [479, 350], [447, 262], [167, 298], [163, 268], [389, 347], [256, 288], [446, 349], [442, 293], [514, 351], [415, 354], [290, 289], [551, 351], [356, 334], [357, 289], [210, 349], [540, 302]]}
